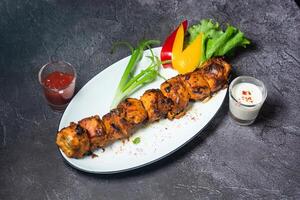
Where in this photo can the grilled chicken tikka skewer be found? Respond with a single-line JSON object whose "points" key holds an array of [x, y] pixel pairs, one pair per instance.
{"points": [[170, 101]]}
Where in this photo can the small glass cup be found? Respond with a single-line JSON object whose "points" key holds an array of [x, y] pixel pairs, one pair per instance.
{"points": [[58, 97], [245, 114]]}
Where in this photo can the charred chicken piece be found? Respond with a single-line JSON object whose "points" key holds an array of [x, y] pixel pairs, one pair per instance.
{"points": [[215, 72], [96, 131], [175, 90], [197, 87], [156, 104], [73, 141], [134, 111], [116, 126]]}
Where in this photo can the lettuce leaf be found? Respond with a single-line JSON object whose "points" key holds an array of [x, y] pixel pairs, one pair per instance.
{"points": [[237, 40], [215, 41]]}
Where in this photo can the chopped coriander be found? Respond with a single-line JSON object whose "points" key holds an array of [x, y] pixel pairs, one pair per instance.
{"points": [[136, 140]]}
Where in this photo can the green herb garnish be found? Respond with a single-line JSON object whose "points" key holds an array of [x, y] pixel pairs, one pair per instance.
{"points": [[128, 84], [136, 140]]}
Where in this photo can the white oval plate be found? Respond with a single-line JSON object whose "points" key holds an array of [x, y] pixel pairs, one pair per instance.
{"points": [[157, 140]]}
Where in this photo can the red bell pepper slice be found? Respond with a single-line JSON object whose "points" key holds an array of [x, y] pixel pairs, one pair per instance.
{"points": [[166, 51]]}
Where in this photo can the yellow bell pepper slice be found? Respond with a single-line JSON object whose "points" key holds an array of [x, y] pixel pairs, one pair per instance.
{"points": [[178, 43], [187, 60]]}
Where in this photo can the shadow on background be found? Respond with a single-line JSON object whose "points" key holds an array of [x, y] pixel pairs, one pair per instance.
{"points": [[298, 3], [240, 52], [270, 111]]}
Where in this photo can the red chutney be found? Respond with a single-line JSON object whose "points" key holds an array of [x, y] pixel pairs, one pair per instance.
{"points": [[58, 80], [59, 87]]}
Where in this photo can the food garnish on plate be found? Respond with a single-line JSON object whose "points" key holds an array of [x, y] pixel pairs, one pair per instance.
{"points": [[205, 38]]}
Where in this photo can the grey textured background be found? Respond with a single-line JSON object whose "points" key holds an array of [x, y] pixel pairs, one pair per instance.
{"points": [[226, 161]]}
